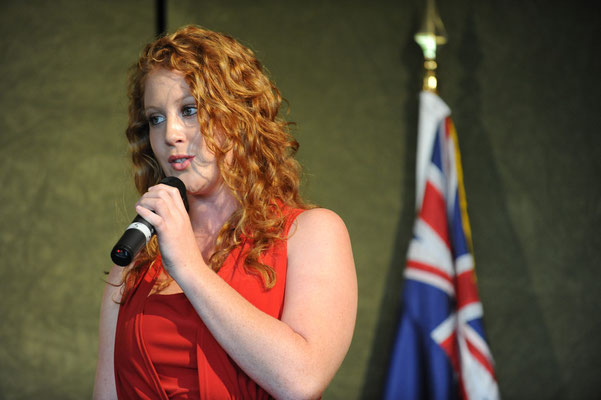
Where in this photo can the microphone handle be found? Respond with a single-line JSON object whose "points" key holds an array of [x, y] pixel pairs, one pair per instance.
{"points": [[137, 234]]}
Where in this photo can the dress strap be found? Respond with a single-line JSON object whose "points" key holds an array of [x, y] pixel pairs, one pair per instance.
{"points": [[290, 218]]}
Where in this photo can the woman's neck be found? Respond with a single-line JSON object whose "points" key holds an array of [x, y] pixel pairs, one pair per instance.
{"points": [[207, 216]]}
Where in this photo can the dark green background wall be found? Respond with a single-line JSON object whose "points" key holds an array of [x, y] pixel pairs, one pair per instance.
{"points": [[520, 77]]}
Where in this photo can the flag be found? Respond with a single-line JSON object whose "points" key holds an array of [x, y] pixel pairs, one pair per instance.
{"points": [[440, 350]]}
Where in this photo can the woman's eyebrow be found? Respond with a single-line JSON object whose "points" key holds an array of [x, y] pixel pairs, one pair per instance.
{"points": [[180, 100]]}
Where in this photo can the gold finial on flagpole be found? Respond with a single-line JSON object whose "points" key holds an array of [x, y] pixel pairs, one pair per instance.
{"points": [[431, 35]]}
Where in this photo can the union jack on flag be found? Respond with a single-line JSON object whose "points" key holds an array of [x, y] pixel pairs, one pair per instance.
{"points": [[440, 350]]}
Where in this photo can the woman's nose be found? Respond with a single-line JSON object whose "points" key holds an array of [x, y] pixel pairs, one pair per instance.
{"points": [[174, 131]]}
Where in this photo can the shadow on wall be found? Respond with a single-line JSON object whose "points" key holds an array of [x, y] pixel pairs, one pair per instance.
{"points": [[514, 320], [375, 377]]}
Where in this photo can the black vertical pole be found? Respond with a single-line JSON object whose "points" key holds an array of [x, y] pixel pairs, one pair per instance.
{"points": [[161, 17]]}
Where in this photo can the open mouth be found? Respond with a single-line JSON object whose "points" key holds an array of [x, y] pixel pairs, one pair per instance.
{"points": [[180, 162]]}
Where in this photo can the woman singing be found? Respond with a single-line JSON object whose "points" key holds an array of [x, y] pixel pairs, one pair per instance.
{"points": [[252, 293]]}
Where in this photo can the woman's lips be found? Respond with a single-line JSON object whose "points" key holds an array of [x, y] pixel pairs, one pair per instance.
{"points": [[180, 162]]}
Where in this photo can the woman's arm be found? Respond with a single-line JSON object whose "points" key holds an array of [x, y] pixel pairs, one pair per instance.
{"points": [[297, 356], [321, 294], [104, 385]]}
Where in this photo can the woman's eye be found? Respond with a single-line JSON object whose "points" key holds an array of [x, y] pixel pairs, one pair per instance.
{"points": [[188, 111], [155, 120]]}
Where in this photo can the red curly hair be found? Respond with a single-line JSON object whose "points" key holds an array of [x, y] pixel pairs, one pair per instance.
{"points": [[238, 109]]}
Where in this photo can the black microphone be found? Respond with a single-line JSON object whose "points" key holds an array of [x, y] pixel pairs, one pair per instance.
{"points": [[139, 232]]}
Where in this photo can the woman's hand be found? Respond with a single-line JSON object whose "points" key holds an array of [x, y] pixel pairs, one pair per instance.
{"points": [[164, 208]]}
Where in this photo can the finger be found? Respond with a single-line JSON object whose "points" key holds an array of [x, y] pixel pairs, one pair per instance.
{"points": [[174, 193], [152, 218], [161, 205], [169, 193]]}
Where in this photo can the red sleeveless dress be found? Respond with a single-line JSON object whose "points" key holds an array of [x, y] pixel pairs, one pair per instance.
{"points": [[164, 351]]}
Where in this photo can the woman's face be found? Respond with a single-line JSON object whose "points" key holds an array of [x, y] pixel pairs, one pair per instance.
{"points": [[174, 130]]}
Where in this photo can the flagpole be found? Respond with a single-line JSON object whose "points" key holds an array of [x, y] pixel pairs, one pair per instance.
{"points": [[431, 35]]}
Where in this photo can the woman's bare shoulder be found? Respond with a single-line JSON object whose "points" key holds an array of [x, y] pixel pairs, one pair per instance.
{"points": [[316, 219], [319, 236]]}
